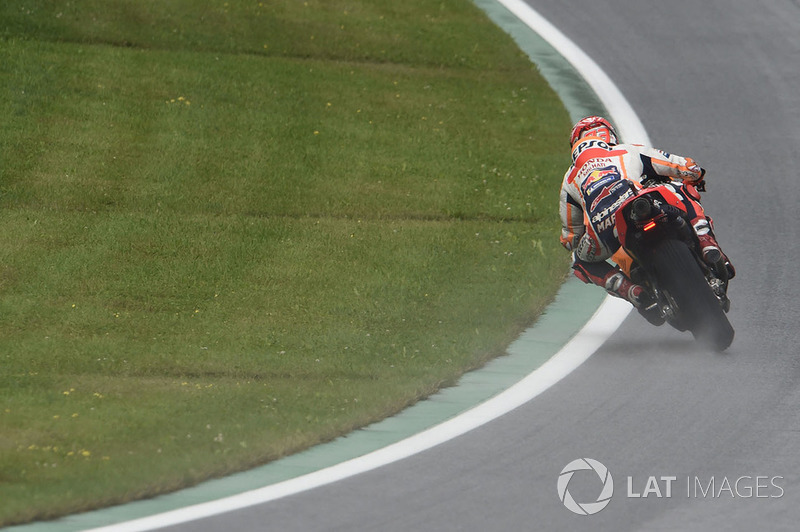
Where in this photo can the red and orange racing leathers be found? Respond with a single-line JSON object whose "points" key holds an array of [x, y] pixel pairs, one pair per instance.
{"points": [[598, 182]]}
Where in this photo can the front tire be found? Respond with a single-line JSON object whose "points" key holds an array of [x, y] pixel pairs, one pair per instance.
{"points": [[680, 276]]}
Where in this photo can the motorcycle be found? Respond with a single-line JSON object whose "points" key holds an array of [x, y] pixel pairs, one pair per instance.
{"points": [[660, 251]]}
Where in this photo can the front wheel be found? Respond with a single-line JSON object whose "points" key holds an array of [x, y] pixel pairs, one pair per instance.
{"points": [[680, 276]]}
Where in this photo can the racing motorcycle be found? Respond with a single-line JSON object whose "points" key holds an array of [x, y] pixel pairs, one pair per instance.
{"points": [[660, 251]]}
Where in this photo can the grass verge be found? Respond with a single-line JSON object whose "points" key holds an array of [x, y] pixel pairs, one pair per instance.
{"points": [[232, 230]]}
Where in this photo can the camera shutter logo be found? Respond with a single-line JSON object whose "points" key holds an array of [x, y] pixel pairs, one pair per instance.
{"points": [[585, 508]]}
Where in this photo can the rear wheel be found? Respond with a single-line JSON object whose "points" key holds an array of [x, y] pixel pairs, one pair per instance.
{"points": [[680, 276]]}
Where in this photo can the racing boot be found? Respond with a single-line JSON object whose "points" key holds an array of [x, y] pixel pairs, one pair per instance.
{"points": [[617, 284], [712, 254]]}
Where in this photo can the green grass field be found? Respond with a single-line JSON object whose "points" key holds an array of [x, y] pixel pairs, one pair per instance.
{"points": [[233, 230]]}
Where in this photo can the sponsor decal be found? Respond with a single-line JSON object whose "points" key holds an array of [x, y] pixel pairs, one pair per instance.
{"points": [[587, 144], [600, 215]]}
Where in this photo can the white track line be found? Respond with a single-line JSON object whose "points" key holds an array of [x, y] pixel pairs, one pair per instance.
{"points": [[626, 120], [605, 321], [608, 317]]}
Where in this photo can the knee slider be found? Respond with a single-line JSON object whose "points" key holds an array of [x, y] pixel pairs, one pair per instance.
{"points": [[614, 282]]}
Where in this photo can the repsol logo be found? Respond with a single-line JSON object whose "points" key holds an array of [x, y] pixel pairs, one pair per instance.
{"points": [[587, 144]]}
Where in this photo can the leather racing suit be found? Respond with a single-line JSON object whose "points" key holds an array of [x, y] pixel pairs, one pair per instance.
{"points": [[601, 177]]}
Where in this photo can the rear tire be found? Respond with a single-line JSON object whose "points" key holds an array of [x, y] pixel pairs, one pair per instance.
{"points": [[679, 275]]}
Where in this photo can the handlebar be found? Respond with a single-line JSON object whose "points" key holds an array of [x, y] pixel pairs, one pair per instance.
{"points": [[652, 181]]}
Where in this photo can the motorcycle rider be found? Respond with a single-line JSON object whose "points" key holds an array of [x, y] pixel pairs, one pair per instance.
{"points": [[600, 178]]}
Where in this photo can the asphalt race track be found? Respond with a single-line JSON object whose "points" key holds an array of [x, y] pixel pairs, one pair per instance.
{"points": [[693, 440]]}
